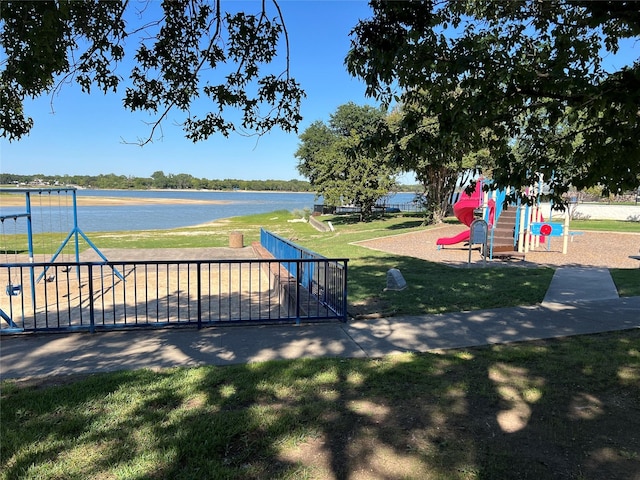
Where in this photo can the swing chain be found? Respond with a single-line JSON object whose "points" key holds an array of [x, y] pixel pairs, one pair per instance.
{"points": [[12, 289]]}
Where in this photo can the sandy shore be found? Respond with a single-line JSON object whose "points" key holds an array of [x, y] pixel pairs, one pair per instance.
{"points": [[12, 200]]}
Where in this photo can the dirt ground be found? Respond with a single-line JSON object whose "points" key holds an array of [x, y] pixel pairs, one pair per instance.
{"points": [[585, 249], [154, 292]]}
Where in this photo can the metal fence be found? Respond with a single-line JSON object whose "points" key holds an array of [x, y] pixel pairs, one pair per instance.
{"points": [[91, 296], [407, 207], [321, 278]]}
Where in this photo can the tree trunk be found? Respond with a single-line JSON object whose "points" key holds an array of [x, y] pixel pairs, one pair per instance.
{"points": [[439, 185]]}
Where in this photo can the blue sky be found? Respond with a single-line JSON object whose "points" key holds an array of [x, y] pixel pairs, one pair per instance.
{"points": [[85, 134]]}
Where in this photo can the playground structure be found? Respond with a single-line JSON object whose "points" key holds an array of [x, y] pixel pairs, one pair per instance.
{"points": [[514, 229], [65, 211]]}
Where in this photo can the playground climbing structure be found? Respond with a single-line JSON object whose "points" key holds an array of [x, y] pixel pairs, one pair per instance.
{"points": [[515, 228]]}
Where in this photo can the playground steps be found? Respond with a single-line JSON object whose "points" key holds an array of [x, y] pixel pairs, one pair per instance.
{"points": [[504, 231], [508, 255]]}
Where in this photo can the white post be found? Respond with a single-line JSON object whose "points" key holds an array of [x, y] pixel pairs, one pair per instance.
{"points": [[521, 236], [485, 206], [565, 232], [534, 218]]}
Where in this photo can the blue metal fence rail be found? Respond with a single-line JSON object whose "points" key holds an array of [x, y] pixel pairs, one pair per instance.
{"points": [[314, 274], [92, 296], [281, 248]]}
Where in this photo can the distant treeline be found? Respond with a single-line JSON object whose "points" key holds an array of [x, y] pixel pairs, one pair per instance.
{"points": [[160, 180], [157, 181]]}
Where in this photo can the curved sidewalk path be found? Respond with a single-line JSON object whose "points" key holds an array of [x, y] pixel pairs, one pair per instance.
{"points": [[579, 301]]}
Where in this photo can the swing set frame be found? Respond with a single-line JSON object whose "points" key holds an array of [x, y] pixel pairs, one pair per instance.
{"points": [[75, 233]]}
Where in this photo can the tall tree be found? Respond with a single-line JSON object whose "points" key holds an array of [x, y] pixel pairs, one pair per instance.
{"points": [[415, 141], [184, 50], [522, 68], [331, 157]]}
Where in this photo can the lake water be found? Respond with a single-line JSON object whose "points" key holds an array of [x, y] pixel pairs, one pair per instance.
{"points": [[56, 218]]}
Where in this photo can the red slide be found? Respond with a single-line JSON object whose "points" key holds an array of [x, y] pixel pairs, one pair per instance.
{"points": [[463, 210]]}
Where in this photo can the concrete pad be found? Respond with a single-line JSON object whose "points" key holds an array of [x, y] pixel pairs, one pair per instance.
{"points": [[487, 327], [65, 354], [573, 284]]}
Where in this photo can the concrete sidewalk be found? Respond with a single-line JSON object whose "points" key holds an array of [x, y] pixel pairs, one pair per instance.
{"points": [[563, 313], [576, 285]]}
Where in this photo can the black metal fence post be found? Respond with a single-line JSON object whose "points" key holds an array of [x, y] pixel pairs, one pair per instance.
{"points": [[298, 280], [199, 293], [344, 293], [92, 326]]}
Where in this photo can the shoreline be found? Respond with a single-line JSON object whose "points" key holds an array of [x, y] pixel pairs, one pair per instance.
{"points": [[118, 211], [8, 199], [17, 200]]}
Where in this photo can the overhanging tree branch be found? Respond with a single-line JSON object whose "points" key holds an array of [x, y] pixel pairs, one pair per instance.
{"points": [[521, 68], [183, 60]]}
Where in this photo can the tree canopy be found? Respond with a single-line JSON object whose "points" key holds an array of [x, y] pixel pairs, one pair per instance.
{"points": [[181, 50], [337, 167], [531, 72], [416, 142]]}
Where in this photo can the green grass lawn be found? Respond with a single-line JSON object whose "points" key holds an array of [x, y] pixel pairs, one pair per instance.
{"points": [[627, 281], [606, 225], [536, 410]]}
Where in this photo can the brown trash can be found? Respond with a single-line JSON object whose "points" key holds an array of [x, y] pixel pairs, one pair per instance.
{"points": [[236, 240]]}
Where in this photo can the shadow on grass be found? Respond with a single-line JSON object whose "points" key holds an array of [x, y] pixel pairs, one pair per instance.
{"points": [[402, 221], [627, 281], [408, 223], [437, 288], [11, 251], [547, 409]]}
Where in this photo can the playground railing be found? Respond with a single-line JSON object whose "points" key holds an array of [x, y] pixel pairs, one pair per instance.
{"points": [[90, 296]]}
